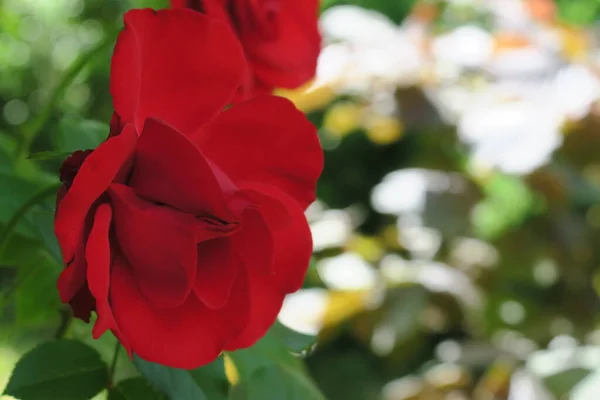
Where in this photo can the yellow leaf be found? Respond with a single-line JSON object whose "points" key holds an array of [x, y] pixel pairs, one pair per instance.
{"points": [[368, 248], [575, 43], [384, 130], [342, 118], [344, 305], [309, 98], [231, 371]]}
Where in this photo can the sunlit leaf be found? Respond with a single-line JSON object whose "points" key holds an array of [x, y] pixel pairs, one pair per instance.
{"points": [[562, 383], [588, 388], [294, 341], [507, 203]]}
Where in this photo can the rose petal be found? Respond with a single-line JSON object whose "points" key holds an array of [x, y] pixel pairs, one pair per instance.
{"points": [[253, 243], [252, 88], [282, 150], [82, 304], [186, 4], [176, 65], [266, 302], [212, 8], [185, 337], [72, 279], [170, 169], [217, 269], [159, 244], [292, 248], [116, 125], [289, 58], [272, 210], [97, 172], [98, 257], [292, 242]]}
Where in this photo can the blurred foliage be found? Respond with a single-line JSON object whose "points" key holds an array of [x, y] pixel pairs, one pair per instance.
{"points": [[466, 282], [579, 11], [396, 10]]}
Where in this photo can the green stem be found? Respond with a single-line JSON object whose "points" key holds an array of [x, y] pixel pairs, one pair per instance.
{"points": [[20, 213], [33, 129], [113, 364], [66, 318]]}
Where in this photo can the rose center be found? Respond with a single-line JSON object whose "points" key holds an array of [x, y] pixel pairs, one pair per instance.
{"points": [[216, 225]]}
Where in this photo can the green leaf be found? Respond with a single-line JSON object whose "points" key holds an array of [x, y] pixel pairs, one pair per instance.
{"points": [[44, 222], [19, 251], [403, 310], [266, 352], [37, 262], [37, 298], [205, 383], [175, 383], [212, 379], [562, 383], [14, 192], [578, 12], [79, 134], [6, 164], [23, 212], [508, 202], [294, 341], [277, 383], [588, 388], [134, 389], [64, 369], [270, 359], [156, 4]]}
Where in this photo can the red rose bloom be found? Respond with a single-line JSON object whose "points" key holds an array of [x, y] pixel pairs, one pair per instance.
{"points": [[280, 37], [185, 229]]}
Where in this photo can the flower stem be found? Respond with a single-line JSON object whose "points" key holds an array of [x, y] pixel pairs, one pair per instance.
{"points": [[113, 364], [66, 318]]}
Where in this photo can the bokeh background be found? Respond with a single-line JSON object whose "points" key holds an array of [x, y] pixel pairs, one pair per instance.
{"points": [[457, 231]]}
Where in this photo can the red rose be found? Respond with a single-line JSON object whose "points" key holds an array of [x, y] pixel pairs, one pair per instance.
{"points": [[280, 37], [185, 245]]}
